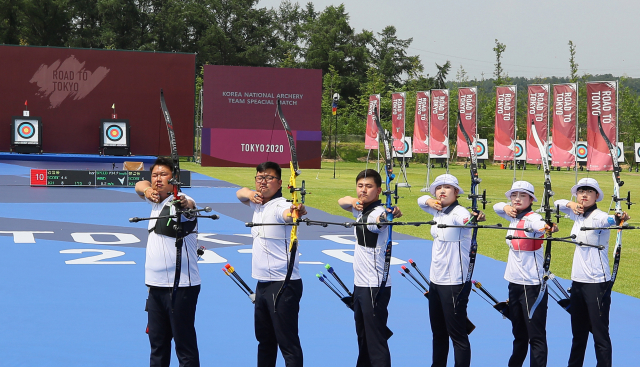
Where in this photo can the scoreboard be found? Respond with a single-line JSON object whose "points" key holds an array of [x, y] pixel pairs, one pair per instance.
{"points": [[66, 177]]}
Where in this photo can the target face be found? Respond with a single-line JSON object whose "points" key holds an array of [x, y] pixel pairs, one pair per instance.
{"points": [[519, 150], [581, 151], [549, 151], [637, 152], [405, 151], [26, 130], [481, 149], [114, 133], [405, 148]]}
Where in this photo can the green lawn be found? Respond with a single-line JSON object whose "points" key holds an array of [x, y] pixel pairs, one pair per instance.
{"points": [[324, 192]]}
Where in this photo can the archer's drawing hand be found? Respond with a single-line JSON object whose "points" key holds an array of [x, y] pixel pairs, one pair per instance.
{"points": [[152, 194], [357, 205], [435, 204], [256, 198], [577, 208], [511, 211]]}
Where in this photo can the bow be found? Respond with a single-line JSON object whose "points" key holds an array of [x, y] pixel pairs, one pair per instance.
{"points": [[475, 181], [175, 181], [548, 210], [617, 183], [297, 196], [388, 160]]}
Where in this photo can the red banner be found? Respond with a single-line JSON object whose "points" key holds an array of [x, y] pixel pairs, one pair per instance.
{"points": [[370, 139], [439, 129], [565, 117], [602, 100], [421, 124], [468, 108], [538, 111], [505, 126], [398, 102]]}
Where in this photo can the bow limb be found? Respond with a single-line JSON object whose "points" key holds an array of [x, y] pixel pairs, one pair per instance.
{"points": [[617, 183], [548, 193], [297, 197], [475, 181], [389, 176], [175, 181]]}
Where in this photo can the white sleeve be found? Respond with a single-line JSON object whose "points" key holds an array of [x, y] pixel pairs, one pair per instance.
{"points": [[563, 208], [422, 203], [373, 217], [535, 222]]}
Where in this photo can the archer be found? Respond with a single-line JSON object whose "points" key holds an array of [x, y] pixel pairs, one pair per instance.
{"points": [[169, 319], [270, 261]]}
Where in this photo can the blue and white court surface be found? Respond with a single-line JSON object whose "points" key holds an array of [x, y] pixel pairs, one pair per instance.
{"points": [[72, 285]]}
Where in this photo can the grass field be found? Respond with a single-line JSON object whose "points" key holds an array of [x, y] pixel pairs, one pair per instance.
{"points": [[324, 191]]}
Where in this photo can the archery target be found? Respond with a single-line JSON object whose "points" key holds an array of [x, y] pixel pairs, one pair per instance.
{"points": [[406, 150], [114, 133], [481, 149], [637, 152], [620, 152], [549, 151], [26, 131], [520, 150], [582, 150]]}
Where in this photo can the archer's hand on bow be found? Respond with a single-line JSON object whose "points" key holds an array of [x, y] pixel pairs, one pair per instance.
{"points": [[622, 217], [480, 217], [383, 217], [300, 208], [185, 203], [546, 228]]}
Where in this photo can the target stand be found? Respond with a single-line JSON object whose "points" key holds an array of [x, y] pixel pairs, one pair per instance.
{"points": [[26, 134], [114, 137]]}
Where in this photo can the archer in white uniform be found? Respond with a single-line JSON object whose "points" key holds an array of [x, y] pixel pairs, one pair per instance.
{"points": [[449, 267], [270, 259], [590, 289], [524, 273], [166, 319], [370, 300]]}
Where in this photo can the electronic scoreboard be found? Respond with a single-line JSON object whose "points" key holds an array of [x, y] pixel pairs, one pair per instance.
{"points": [[67, 177]]}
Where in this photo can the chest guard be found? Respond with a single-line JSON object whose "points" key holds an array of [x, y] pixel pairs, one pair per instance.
{"points": [[165, 226], [524, 245], [364, 236]]}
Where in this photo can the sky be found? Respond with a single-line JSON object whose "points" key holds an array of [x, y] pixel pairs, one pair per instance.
{"points": [[536, 33]]}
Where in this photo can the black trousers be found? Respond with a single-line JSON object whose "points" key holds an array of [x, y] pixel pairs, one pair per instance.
{"points": [[178, 325], [278, 329], [528, 332], [447, 322], [590, 313], [371, 326]]}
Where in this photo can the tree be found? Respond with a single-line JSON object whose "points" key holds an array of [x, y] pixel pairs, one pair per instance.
{"points": [[331, 41], [572, 63], [441, 76], [9, 21], [499, 71], [389, 55]]}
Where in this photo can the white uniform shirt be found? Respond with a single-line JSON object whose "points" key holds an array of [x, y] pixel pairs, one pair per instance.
{"points": [[368, 262], [590, 265], [271, 243], [523, 267], [160, 264], [451, 246]]}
